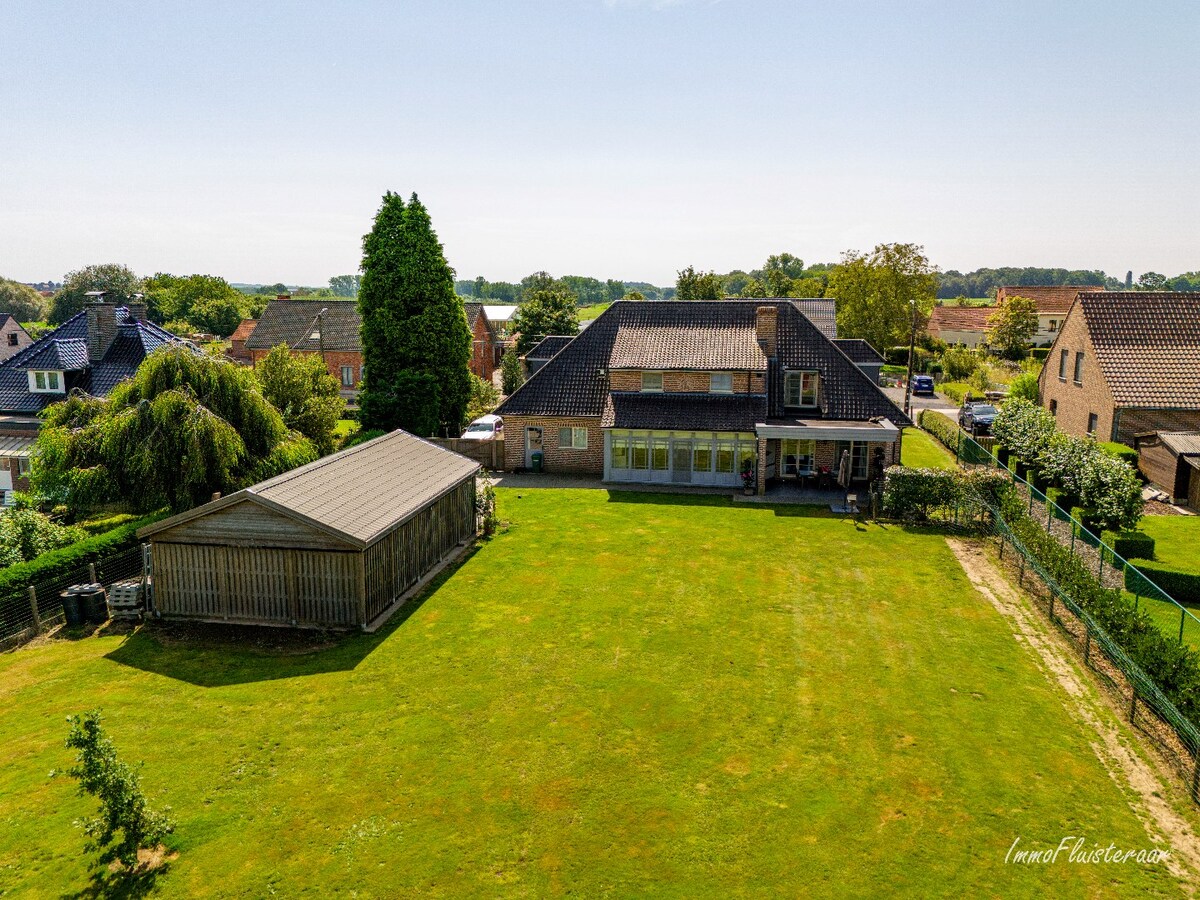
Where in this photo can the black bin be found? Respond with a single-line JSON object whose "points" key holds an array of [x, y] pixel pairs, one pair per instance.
{"points": [[94, 603], [72, 608]]}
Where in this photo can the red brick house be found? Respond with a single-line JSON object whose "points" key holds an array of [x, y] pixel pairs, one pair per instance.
{"points": [[966, 325], [237, 341], [329, 328], [697, 392], [1126, 364], [483, 341], [1053, 304], [13, 338]]}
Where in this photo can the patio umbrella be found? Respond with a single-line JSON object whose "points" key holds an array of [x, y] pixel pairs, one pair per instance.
{"points": [[843, 473]]}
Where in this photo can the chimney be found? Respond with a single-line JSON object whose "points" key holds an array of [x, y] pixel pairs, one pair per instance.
{"points": [[137, 308], [101, 329], [766, 328]]}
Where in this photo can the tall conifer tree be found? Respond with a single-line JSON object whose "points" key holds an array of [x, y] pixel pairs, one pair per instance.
{"points": [[416, 344]]}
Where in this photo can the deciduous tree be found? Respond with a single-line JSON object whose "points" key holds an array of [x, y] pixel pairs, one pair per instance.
{"points": [[21, 301], [1012, 326], [877, 293], [119, 281], [306, 395], [344, 285], [416, 344], [544, 313], [693, 285]]}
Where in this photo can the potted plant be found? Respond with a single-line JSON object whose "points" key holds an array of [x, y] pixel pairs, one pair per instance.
{"points": [[748, 481]]}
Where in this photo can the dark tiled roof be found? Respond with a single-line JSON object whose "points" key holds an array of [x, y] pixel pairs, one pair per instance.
{"points": [[549, 346], [1147, 345], [959, 318], [859, 350], [662, 334], [293, 322], [680, 411], [133, 343], [64, 354], [1049, 298], [822, 313]]}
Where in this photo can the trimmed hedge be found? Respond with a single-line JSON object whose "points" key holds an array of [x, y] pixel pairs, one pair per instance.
{"points": [[1120, 451], [956, 390], [15, 580], [1130, 544], [941, 427], [1087, 516], [1062, 497], [1039, 353], [1001, 453], [1183, 586]]}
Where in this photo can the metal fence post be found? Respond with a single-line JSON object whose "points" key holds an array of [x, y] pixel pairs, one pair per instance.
{"points": [[1182, 619], [37, 619], [1133, 703], [1196, 779], [91, 573], [1087, 645], [1049, 513], [1072, 538]]}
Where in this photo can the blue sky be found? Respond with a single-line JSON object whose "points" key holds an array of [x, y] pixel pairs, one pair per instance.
{"points": [[620, 139]]}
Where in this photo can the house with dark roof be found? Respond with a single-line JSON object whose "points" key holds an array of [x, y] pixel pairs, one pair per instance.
{"points": [[698, 393], [822, 313], [13, 338], [864, 356], [484, 341], [328, 328], [1126, 364], [1053, 304], [92, 351], [544, 351]]}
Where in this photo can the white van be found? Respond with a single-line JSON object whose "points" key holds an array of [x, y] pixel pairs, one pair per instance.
{"points": [[485, 428]]}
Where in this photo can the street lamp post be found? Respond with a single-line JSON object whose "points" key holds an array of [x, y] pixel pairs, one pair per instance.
{"points": [[912, 342]]}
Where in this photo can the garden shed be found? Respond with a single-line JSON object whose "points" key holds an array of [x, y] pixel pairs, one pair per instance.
{"points": [[328, 545]]}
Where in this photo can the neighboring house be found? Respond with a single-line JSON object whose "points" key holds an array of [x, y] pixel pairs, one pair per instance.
{"points": [[863, 355], [329, 328], [965, 325], [237, 342], [697, 392], [1126, 364], [483, 341], [13, 338], [332, 544], [14, 465], [1053, 303], [501, 317], [544, 351], [1170, 460]]}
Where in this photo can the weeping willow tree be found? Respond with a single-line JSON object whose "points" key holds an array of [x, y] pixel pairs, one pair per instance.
{"points": [[184, 427]]}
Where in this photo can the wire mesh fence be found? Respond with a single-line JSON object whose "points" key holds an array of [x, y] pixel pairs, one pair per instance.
{"points": [[29, 610], [1111, 569]]}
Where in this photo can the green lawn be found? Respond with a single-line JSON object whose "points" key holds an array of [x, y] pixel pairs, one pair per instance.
{"points": [[622, 695], [1176, 539], [921, 450], [587, 313]]}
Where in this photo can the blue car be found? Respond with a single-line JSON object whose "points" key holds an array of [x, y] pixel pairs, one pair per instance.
{"points": [[922, 384]]}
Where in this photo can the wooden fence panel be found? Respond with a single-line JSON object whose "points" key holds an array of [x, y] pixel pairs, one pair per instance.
{"points": [[489, 454]]}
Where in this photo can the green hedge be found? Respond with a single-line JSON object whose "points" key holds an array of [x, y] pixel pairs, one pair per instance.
{"points": [[1130, 544], [1085, 515], [1183, 586], [1120, 451], [15, 580], [1039, 353], [941, 427], [1062, 497], [955, 390], [894, 370]]}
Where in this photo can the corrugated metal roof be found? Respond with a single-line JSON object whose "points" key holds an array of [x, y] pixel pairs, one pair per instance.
{"points": [[11, 446], [1183, 443], [358, 493]]}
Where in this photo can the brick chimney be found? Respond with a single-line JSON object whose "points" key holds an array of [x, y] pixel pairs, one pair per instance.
{"points": [[766, 328], [101, 329], [137, 308]]}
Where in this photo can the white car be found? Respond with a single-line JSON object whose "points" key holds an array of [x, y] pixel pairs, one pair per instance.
{"points": [[485, 428]]}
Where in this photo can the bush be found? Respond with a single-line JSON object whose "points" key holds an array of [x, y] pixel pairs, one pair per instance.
{"points": [[1040, 353], [1112, 489], [15, 580], [1062, 497], [896, 356], [1024, 428], [1120, 451], [363, 436], [1130, 544], [26, 534], [893, 370], [959, 363], [1086, 517], [511, 376], [1024, 387], [955, 390], [941, 427], [1183, 586], [917, 494]]}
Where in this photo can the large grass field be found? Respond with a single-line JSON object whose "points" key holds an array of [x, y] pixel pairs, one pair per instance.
{"points": [[622, 695]]}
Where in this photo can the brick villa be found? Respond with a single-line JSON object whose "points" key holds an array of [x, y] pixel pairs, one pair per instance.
{"points": [[697, 392], [325, 327]]}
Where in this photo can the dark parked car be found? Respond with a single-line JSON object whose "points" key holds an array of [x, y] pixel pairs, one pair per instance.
{"points": [[977, 418], [922, 384]]}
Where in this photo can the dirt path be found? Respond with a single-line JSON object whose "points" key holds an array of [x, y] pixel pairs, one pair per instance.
{"points": [[1130, 770]]}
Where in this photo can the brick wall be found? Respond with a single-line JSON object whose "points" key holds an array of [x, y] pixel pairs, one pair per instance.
{"points": [[12, 466], [1074, 403], [10, 329], [555, 458], [1132, 421], [483, 355], [688, 382], [334, 360]]}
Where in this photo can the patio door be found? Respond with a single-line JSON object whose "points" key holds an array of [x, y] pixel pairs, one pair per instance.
{"points": [[681, 461]]}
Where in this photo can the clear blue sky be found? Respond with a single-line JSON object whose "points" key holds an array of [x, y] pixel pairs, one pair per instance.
{"points": [[620, 139]]}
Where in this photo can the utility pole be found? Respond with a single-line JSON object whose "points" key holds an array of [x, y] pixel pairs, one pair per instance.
{"points": [[912, 343]]}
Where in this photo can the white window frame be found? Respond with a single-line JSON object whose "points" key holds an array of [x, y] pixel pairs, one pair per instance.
{"points": [[652, 390], [793, 447], [45, 376], [22, 466], [726, 377], [806, 379], [347, 376], [578, 438]]}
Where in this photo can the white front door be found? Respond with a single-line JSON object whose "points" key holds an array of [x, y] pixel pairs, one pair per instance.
{"points": [[533, 441]]}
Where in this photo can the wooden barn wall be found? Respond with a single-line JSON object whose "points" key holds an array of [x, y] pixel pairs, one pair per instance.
{"points": [[398, 560], [255, 584], [250, 524]]}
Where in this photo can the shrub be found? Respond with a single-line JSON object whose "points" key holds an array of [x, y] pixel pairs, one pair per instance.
{"points": [[1062, 498], [1024, 387], [980, 381], [896, 356], [1120, 451], [483, 399], [1040, 353], [26, 534], [1064, 459], [1130, 544], [1112, 489], [123, 806], [941, 427], [485, 505], [959, 363], [363, 436], [955, 390], [511, 376], [1086, 517], [1024, 428], [1183, 586], [916, 493]]}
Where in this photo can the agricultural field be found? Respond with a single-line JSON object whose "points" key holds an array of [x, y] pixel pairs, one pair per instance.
{"points": [[587, 313], [620, 694]]}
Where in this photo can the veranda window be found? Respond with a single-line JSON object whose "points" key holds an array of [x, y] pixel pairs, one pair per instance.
{"points": [[797, 457]]}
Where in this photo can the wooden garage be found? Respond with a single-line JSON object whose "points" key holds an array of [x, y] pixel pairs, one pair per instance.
{"points": [[1170, 460], [329, 545]]}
